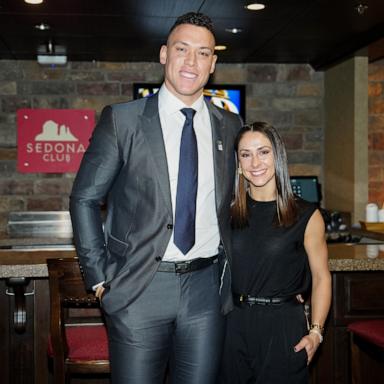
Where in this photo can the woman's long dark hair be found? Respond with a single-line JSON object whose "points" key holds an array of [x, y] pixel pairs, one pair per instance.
{"points": [[285, 199]]}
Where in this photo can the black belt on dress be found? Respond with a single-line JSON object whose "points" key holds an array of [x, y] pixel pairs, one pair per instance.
{"points": [[241, 300], [186, 266]]}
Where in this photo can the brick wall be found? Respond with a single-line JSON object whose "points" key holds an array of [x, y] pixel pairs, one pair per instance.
{"points": [[376, 132], [288, 96]]}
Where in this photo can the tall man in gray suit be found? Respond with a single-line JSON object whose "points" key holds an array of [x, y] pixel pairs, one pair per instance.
{"points": [[165, 167]]}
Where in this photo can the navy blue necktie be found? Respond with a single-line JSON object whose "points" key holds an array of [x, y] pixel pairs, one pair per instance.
{"points": [[185, 213]]}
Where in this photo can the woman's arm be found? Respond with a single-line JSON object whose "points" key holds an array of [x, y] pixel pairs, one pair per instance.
{"points": [[316, 248]]}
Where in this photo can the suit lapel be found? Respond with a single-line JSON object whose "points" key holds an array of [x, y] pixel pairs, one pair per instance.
{"points": [[151, 127], [219, 142]]}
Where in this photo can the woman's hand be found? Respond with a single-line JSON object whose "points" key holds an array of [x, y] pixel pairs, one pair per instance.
{"points": [[310, 342]]}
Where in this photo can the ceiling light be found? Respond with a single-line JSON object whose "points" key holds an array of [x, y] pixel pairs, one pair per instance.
{"points": [[220, 47], [255, 6], [42, 27], [361, 8], [33, 1], [233, 30]]}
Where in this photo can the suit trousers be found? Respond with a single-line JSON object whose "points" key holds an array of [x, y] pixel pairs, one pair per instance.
{"points": [[175, 321]]}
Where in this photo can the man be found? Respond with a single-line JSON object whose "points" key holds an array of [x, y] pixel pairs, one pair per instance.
{"points": [[165, 166]]}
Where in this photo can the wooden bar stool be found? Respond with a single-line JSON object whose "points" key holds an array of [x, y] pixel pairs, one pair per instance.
{"points": [[366, 336]]}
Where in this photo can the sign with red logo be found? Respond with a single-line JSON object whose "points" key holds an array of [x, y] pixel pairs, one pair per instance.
{"points": [[52, 140]]}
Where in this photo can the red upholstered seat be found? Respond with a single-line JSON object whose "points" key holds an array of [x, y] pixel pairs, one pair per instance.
{"points": [[85, 342], [369, 330]]}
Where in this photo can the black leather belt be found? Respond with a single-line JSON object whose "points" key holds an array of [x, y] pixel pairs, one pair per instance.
{"points": [[186, 266], [241, 300]]}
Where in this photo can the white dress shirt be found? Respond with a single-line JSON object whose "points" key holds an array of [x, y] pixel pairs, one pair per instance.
{"points": [[172, 121], [207, 236]]}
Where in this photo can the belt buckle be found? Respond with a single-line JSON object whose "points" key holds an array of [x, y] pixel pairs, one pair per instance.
{"points": [[262, 301], [182, 267], [246, 299]]}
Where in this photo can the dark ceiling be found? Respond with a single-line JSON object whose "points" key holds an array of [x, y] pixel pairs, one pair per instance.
{"points": [[318, 32]]}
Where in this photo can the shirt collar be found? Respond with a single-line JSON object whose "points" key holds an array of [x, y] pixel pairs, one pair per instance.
{"points": [[170, 104]]}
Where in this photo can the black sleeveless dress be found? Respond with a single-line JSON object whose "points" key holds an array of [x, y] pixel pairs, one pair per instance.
{"points": [[268, 261]]}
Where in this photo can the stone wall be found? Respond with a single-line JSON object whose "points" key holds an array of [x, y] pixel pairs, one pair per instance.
{"points": [[376, 132], [288, 96]]}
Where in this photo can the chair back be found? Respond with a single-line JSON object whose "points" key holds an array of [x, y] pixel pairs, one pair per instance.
{"points": [[70, 304], [366, 350]]}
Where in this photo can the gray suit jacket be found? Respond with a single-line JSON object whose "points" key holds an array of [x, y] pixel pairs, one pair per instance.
{"points": [[125, 166]]}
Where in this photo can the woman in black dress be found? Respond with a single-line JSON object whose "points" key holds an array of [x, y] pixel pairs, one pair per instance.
{"points": [[279, 252]]}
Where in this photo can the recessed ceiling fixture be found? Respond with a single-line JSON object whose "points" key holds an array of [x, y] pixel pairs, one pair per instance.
{"points": [[361, 8], [255, 6], [33, 1], [42, 27], [220, 47], [233, 30]]}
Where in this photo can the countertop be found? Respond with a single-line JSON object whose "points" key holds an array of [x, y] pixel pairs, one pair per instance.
{"points": [[356, 257], [6, 243], [32, 262]]}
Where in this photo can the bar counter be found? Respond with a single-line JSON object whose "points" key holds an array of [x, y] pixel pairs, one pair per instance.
{"points": [[355, 257], [31, 262]]}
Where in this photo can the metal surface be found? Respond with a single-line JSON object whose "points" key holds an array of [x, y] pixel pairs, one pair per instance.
{"points": [[40, 224]]}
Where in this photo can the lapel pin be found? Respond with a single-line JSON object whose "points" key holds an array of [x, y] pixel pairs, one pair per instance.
{"points": [[219, 145]]}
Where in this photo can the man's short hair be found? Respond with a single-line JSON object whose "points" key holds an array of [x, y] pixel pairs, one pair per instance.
{"points": [[194, 18]]}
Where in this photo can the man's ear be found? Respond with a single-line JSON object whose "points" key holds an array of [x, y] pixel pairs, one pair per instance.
{"points": [[213, 65], [163, 54]]}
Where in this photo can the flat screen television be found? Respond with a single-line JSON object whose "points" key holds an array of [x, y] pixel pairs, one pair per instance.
{"points": [[227, 96], [307, 187]]}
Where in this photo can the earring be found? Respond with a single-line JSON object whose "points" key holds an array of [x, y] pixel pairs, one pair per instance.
{"points": [[240, 171]]}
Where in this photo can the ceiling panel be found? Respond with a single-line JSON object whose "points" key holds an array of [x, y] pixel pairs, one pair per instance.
{"points": [[317, 32]]}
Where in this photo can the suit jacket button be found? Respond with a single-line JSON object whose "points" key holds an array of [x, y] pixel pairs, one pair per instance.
{"points": [[158, 258], [170, 226]]}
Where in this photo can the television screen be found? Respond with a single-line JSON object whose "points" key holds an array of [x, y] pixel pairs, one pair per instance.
{"points": [[229, 97], [306, 187]]}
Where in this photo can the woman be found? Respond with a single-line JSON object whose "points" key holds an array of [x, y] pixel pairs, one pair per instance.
{"points": [[279, 252]]}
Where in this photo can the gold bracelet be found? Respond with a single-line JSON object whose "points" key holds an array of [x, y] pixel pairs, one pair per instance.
{"points": [[316, 326], [318, 333]]}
